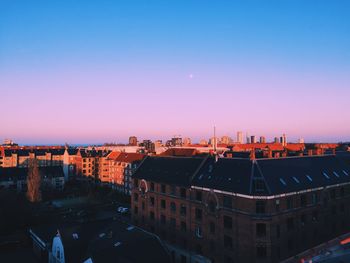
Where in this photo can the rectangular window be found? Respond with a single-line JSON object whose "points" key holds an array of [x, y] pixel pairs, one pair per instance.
{"points": [[152, 187], [303, 200], [173, 222], [261, 230], [183, 210], [277, 205], [227, 201], [260, 207], [151, 201], [289, 203], [212, 227], [136, 210], [198, 195], [136, 197], [227, 222], [314, 198], [163, 204], [198, 214], [162, 219], [228, 242], [183, 192], [173, 207], [163, 188], [183, 226], [136, 182], [151, 215]]}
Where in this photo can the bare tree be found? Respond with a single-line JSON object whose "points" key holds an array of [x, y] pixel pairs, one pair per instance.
{"points": [[33, 181]]}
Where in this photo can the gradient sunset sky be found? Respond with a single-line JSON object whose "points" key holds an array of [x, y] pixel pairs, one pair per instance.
{"points": [[97, 71]]}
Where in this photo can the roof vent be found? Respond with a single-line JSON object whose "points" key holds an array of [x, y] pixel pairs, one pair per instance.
{"points": [[325, 175], [130, 228], [296, 180], [283, 182], [309, 177], [101, 235]]}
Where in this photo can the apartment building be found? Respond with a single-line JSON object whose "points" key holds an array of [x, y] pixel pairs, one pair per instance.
{"points": [[242, 210]]}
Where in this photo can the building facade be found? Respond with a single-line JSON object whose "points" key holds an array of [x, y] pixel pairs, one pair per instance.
{"points": [[242, 210]]}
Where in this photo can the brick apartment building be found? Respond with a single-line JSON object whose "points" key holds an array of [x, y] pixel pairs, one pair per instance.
{"points": [[242, 210], [117, 168]]}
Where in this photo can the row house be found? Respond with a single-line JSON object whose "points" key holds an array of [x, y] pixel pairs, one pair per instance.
{"points": [[15, 178], [87, 162], [242, 210], [116, 170]]}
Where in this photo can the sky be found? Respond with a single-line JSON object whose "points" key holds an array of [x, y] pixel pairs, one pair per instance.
{"points": [[100, 71]]}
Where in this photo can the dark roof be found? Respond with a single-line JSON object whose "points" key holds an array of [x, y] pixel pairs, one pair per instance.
{"points": [[300, 173], [129, 157], [93, 153], [244, 176], [170, 170], [98, 239], [179, 152], [20, 173]]}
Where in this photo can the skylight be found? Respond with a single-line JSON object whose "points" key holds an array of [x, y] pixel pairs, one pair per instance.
{"points": [[283, 182], [296, 180], [117, 244], [325, 175], [344, 172], [130, 228], [337, 175], [309, 177]]}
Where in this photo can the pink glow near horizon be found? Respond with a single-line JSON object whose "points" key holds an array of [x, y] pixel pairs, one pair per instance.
{"points": [[98, 105]]}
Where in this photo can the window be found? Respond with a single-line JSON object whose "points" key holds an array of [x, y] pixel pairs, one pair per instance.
{"points": [[143, 205], [163, 204], [261, 230], [283, 182], [227, 222], [227, 241], [212, 227], [173, 222], [151, 215], [290, 224], [136, 182], [326, 175], [199, 231], [152, 187], [342, 192], [289, 203], [333, 194], [260, 207], [183, 192], [212, 206], [183, 210], [227, 201], [163, 188], [261, 252], [162, 219], [136, 197], [314, 198], [296, 180], [136, 210], [151, 201], [303, 220], [303, 201], [277, 205], [173, 207], [198, 214], [183, 226], [309, 178], [173, 190], [198, 195]]}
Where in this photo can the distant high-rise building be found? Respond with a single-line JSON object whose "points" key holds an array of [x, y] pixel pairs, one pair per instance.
{"points": [[276, 140], [240, 137], [248, 139], [176, 141], [187, 141], [262, 139], [203, 142], [283, 140], [158, 143], [252, 139], [149, 145], [226, 140], [133, 140], [301, 140]]}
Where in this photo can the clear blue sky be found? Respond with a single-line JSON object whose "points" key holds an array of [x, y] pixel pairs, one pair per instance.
{"points": [[95, 71]]}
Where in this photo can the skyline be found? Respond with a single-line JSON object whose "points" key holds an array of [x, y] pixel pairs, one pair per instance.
{"points": [[87, 72]]}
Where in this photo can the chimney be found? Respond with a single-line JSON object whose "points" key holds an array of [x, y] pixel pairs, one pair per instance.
{"points": [[309, 152], [269, 153]]}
